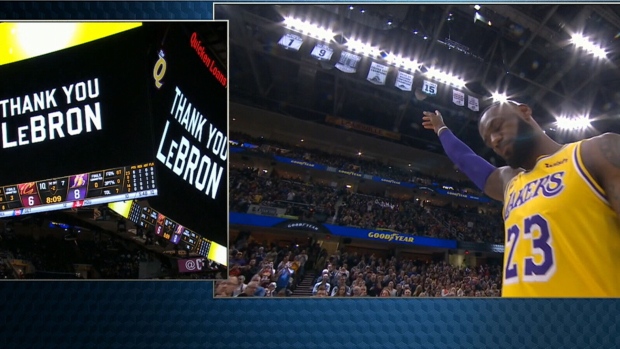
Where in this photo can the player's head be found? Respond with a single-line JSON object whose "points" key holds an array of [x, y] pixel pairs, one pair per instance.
{"points": [[510, 130]]}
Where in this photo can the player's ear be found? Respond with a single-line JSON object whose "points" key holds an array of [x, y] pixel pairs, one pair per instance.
{"points": [[526, 111]]}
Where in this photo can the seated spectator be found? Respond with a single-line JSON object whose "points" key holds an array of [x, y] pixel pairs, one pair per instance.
{"points": [[226, 287], [241, 288], [321, 291], [321, 284], [271, 290], [250, 289]]}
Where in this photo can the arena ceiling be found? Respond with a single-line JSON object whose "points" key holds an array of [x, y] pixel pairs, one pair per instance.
{"points": [[526, 52]]}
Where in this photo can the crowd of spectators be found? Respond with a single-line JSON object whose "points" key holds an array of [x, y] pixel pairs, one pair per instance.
{"points": [[54, 256], [350, 163], [297, 197], [258, 270], [393, 277], [262, 270], [313, 201]]}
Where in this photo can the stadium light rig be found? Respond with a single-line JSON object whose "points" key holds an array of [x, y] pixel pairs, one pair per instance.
{"points": [[355, 45], [309, 29], [447, 78], [583, 42]]}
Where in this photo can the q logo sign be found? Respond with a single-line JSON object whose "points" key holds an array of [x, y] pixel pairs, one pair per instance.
{"points": [[190, 265], [159, 70]]}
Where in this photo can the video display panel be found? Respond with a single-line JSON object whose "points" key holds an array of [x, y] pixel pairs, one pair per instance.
{"points": [[84, 189], [189, 103], [76, 110]]}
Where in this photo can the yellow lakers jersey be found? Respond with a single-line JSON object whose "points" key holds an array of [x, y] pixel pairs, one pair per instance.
{"points": [[562, 237]]}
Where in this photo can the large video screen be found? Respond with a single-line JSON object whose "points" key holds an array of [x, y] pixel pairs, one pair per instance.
{"points": [[190, 110], [75, 126], [75, 111]]}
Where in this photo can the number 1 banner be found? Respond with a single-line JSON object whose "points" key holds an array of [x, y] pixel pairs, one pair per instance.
{"points": [[322, 52], [291, 41]]}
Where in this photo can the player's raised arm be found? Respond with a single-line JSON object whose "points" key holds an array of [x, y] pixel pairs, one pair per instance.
{"points": [[601, 157], [487, 177]]}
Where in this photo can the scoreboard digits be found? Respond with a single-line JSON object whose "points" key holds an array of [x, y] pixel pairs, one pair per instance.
{"points": [[116, 184]]}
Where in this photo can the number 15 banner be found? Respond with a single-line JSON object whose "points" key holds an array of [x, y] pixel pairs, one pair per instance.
{"points": [[429, 87]]}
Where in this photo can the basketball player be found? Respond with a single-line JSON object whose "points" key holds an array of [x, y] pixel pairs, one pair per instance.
{"points": [[561, 203]]}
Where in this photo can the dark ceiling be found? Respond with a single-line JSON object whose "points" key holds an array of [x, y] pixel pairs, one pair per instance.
{"points": [[525, 52]]}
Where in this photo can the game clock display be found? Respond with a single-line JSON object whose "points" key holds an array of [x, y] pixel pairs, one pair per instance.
{"points": [[85, 189]]}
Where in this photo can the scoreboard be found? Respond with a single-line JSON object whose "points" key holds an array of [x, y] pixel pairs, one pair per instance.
{"points": [[166, 228], [84, 189]]}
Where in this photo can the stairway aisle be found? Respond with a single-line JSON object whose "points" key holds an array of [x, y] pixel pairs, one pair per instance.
{"points": [[304, 289]]}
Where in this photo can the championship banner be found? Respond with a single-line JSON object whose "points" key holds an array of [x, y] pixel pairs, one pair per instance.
{"points": [[291, 41], [429, 87], [361, 127], [458, 98], [377, 73], [322, 52], [473, 103], [348, 62], [404, 81]]}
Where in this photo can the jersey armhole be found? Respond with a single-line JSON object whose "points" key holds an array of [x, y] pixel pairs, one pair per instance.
{"points": [[510, 182], [586, 175]]}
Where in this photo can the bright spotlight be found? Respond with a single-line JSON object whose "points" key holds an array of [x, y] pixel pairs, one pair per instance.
{"points": [[583, 42], [499, 97], [572, 124]]}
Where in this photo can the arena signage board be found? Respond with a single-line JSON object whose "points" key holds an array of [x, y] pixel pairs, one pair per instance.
{"points": [[188, 94], [73, 124]]}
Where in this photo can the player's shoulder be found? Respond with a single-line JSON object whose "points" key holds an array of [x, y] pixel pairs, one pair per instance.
{"points": [[507, 173], [598, 151], [595, 147]]}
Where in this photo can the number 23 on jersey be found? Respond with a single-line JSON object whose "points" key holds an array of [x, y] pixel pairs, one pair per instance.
{"points": [[534, 264]]}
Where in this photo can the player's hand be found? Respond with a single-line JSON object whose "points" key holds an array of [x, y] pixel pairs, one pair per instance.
{"points": [[432, 121]]}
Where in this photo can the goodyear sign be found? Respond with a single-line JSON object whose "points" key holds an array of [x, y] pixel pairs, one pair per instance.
{"points": [[391, 237]]}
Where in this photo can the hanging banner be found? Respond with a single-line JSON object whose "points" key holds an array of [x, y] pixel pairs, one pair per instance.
{"points": [[322, 52], [348, 62], [377, 73], [429, 87], [458, 98], [473, 103], [291, 41], [404, 81]]}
